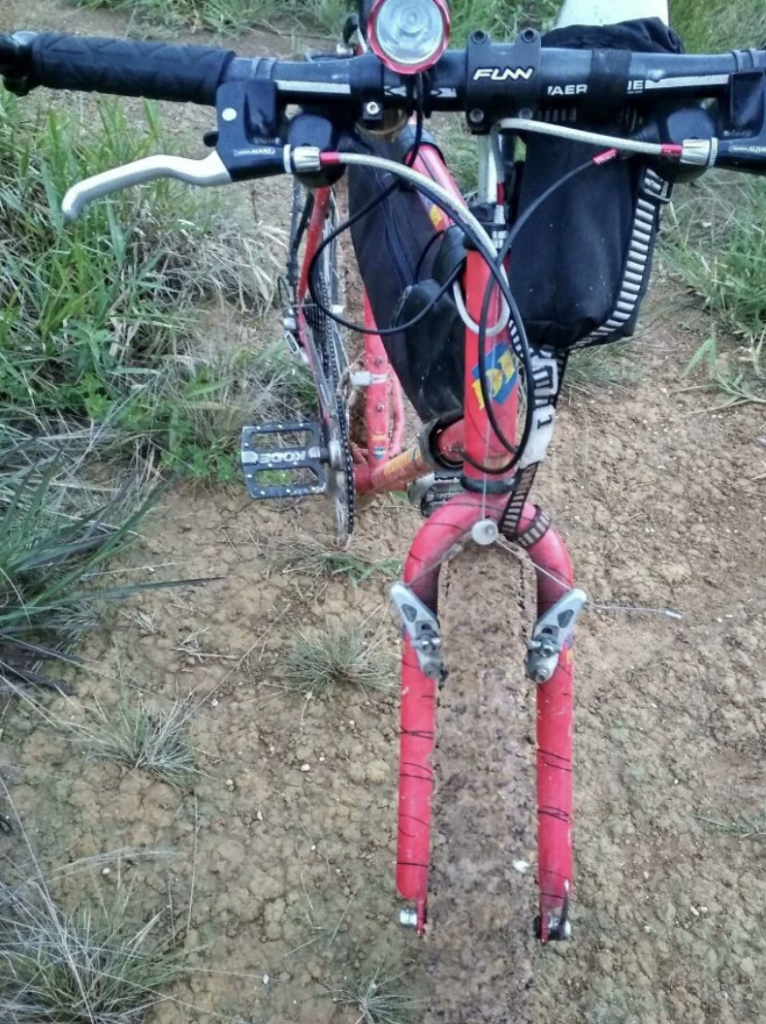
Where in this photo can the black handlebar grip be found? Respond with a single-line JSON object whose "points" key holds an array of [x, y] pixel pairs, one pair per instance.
{"points": [[126, 67]]}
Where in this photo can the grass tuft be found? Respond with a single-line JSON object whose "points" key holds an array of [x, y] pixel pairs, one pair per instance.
{"points": [[380, 994], [58, 527], [501, 17], [313, 558], [318, 662], [747, 826], [719, 25], [154, 740], [89, 967], [592, 369]]}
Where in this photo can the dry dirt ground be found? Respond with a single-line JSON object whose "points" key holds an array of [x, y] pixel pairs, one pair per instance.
{"points": [[278, 863]]}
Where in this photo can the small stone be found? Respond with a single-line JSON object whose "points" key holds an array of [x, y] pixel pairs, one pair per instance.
{"points": [[376, 771], [106, 871], [214, 702], [747, 967], [647, 929], [321, 760], [305, 767], [646, 876], [258, 816], [522, 866], [230, 782], [265, 979], [694, 911]]}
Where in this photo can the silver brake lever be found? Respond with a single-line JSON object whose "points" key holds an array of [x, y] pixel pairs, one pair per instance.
{"points": [[210, 171]]}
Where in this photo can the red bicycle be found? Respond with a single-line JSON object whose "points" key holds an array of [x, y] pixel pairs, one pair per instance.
{"points": [[679, 115]]}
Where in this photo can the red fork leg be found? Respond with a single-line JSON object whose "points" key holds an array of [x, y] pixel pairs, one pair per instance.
{"points": [[437, 536], [555, 707], [444, 530]]}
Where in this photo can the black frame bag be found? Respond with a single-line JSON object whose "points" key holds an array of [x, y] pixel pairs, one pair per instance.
{"points": [[579, 268]]}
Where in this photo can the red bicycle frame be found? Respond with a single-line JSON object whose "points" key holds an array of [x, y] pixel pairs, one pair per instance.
{"points": [[381, 465]]}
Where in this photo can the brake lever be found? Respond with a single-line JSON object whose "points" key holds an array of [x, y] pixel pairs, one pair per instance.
{"points": [[210, 171], [261, 160]]}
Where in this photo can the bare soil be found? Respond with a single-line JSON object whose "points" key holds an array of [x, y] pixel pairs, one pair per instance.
{"points": [[278, 863]]}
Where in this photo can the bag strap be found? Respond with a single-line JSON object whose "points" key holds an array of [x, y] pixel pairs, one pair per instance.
{"points": [[653, 194], [548, 368]]}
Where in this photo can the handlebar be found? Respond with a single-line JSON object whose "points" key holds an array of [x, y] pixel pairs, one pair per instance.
{"points": [[122, 67], [498, 76], [521, 84]]}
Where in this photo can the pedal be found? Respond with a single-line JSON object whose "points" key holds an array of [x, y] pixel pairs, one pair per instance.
{"points": [[434, 491], [292, 469]]}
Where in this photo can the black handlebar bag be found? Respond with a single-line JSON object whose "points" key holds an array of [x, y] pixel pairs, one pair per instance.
{"points": [[579, 268]]}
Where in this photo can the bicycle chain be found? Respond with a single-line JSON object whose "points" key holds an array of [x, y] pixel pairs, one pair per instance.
{"points": [[319, 323]]}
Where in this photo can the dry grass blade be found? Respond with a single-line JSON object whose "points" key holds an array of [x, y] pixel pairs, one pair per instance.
{"points": [[601, 367], [313, 558], [318, 662]]}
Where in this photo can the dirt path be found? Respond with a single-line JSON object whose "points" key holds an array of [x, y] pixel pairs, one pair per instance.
{"points": [[289, 872], [663, 501]]}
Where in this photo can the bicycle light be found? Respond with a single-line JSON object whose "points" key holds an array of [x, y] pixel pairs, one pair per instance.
{"points": [[409, 36]]}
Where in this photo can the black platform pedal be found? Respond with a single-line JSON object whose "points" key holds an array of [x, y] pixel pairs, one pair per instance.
{"points": [[283, 460]]}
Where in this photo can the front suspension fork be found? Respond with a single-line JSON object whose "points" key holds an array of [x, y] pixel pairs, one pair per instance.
{"points": [[444, 532]]}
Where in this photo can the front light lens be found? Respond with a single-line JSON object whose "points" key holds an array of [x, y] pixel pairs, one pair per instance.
{"points": [[409, 35]]}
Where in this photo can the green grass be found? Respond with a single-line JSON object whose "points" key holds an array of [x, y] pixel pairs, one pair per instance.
{"points": [[711, 27], [317, 662], [602, 366], [102, 319], [500, 17], [93, 966], [719, 251], [719, 25], [231, 16], [58, 528]]}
